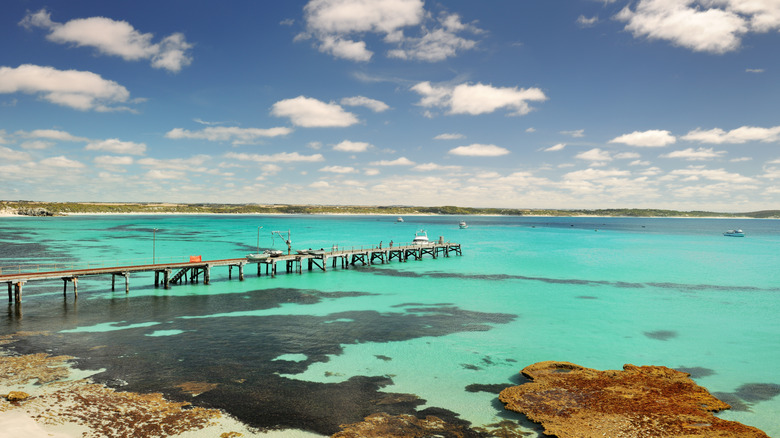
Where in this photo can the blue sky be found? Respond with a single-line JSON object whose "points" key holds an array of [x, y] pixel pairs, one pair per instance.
{"points": [[517, 104]]}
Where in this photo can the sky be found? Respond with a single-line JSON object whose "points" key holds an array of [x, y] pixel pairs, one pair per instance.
{"points": [[563, 104]]}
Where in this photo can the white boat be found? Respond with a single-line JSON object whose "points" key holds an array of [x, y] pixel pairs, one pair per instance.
{"points": [[462, 225], [420, 238], [263, 255], [734, 233], [400, 219], [257, 257]]}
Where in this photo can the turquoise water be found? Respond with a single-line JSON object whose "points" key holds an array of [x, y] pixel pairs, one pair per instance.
{"points": [[315, 350]]}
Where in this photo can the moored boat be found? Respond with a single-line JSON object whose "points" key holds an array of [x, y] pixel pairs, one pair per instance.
{"points": [[734, 233], [400, 219], [462, 225], [420, 238]]}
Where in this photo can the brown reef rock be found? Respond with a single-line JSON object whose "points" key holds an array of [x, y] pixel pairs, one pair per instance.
{"points": [[401, 426], [641, 401]]}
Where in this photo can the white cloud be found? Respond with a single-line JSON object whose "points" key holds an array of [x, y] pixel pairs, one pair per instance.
{"points": [[715, 26], [479, 150], [117, 38], [285, 157], [402, 161], [312, 113], [159, 174], [531, 129], [346, 49], [110, 160], [223, 133], [651, 138], [13, 155], [319, 185], [699, 154], [339, 27], [62, 162], [578, 133], [448, 136], [116, 146], [587, 22], [339, 169], [557, 147], [740, 135], [754, 70], [694, 173], [51, 134], [352, 146], [478, 98], [426, 167], [371, 172], [627, 155], [437, 44], [37, 144], [372, 104], [595, 155], [80, 90]]}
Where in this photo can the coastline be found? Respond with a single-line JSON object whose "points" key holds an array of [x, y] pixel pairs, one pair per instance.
{"points": [[57, 400]]}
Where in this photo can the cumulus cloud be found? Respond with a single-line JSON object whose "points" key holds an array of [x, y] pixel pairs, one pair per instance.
{"points": [[739, 135], [478, 98], [13, 155], [339, 169], [714, 26], [595, 155], [116, 38], [426, 167], [557, 147], [587, 21], [374, 105], [235, 135], [312, 113], [479, 150], [37, 144], [352, 146], [117, 146], [451, 136], [62, 162], [402, 161], [577, 133], [281, 157], [699, 154], [436, 44], [695, 173], [51, 134], [339, 26], [651, 138], [76, 89]]}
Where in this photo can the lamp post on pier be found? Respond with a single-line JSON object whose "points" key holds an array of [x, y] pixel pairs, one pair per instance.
{"points": [[154, 244]]}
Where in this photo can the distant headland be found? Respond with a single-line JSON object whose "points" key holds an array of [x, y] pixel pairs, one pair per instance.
{"points": [[36, 208]]}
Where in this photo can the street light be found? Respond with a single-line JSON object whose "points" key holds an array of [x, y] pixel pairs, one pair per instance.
{"points": [[154, 243]]}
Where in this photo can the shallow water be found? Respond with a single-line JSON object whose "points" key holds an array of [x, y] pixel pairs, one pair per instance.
{"points": [[316, 350]]}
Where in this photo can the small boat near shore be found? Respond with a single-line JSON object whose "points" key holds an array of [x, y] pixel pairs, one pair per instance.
{"points": [[734, 233], [400, 219], [258, 257], [462, 225]]}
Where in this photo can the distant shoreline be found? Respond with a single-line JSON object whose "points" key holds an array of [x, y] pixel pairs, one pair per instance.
{"points": [[45, 209]]}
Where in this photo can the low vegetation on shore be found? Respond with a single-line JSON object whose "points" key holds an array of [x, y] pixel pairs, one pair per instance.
{"points": [[33, 208]]}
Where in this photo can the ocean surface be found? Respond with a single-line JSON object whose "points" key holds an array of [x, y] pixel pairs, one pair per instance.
{"points": [[311, 351]]}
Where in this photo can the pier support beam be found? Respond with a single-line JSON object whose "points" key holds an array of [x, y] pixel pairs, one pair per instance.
{"points": [[18, 292], [10, 292], [207, 274], [241, 272]]}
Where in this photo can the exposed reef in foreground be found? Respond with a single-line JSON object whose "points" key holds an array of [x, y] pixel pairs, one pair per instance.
{"points": [[34, 208], [573, 401]]}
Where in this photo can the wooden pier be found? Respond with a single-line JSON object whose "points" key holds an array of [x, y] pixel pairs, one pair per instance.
{"points": [[167, 274]]}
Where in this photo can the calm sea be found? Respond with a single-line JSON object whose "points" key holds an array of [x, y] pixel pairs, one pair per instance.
{"points": [[314, 350]]}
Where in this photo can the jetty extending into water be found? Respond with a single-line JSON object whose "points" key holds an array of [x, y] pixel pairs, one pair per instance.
{"points": [[167, 274]]}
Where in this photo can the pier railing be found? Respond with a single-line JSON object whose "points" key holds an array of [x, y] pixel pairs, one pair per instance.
{"points": [[24, 268], [68, 265]]}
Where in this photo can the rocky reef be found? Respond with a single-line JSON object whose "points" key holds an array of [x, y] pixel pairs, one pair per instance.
{"points": [[569, 400]]}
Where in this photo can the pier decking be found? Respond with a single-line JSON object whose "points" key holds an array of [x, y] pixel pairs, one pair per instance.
{"points": [[169, 274]]}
